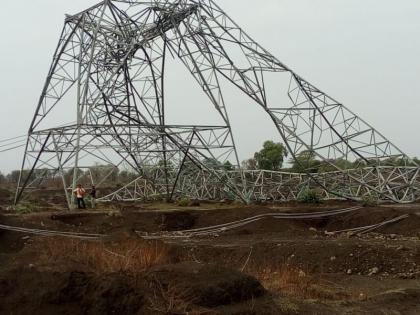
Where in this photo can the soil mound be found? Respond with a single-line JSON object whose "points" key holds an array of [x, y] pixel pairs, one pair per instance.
{"points": [[79, 218], [403, 301], [193, 285], [106, 294], [176, 221], [397, 296], [67, 293], [11, 242], [370, 216], [210, 285]]}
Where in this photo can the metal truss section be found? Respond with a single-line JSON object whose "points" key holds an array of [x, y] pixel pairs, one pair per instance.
{"points": [[109, 66], [271, 186], [260, 185]]}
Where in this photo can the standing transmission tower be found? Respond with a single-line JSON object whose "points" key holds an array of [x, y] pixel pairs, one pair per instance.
{"points": [[107, 85]]}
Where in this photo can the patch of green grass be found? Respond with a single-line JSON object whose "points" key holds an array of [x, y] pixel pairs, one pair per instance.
{"points": [[308, 195], [26, 208], [184, 202], [370, 201]]}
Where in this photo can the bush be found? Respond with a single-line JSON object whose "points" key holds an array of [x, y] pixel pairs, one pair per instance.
{"points": [[130, 255], [88, 203], [26, 208], [307, 195], [183, 202], [294, 282], [370, 201]]}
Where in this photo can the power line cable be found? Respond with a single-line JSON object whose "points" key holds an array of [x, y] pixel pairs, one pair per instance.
{"points": [[12, 143], [10, 149], [14, 138]]}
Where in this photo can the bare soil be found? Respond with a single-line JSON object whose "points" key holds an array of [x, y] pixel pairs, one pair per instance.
{"points": [[267, 267]]}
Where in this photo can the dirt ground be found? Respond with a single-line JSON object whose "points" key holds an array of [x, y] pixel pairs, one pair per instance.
{"points": [[272, 266]]}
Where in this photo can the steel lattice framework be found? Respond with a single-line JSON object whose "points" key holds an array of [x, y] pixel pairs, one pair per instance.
{"points": [[111, 60]]}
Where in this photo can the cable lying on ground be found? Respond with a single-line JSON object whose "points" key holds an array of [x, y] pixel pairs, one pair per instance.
{"points": [[215, 229], [369, 228], [83, 236]]}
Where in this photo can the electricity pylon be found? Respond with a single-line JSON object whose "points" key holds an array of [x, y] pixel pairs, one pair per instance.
{"points": [[110, 62]]}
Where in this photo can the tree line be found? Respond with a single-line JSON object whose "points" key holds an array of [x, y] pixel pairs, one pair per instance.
{"points": [[271, 157]]}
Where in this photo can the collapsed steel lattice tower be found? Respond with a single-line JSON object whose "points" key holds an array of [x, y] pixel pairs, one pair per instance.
{"points": [[111, 61]]}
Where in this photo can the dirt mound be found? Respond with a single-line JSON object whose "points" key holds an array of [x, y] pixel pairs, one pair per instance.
{"points": [[176, 221], [107, 294], [78, 218], [397, 296], [11, 242], [370, 216], [210, 285], [189, 284], [67, 293], [402, 301]]}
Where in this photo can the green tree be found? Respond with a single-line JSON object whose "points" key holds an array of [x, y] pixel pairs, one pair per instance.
{"points": [[340, 163], [271, 156], [228, 166], [306, 162], [126, 176], [250, 164], [212, 163]]}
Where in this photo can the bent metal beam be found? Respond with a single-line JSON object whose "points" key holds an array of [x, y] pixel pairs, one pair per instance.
{"points": [[109, 66]]}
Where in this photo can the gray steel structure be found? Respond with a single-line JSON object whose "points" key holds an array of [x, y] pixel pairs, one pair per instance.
{"points": [[111, 60]]}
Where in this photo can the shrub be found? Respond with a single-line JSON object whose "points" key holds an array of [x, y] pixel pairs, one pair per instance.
{"points": [[171, 299], [105, 257], [307, 195], [88, 203], [183, 202], [370, 201], [295, 282], [26, 208]]}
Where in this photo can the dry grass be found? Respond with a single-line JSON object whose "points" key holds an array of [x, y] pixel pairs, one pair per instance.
{"points": [[125, 256], [174, 300], [294, 282]]}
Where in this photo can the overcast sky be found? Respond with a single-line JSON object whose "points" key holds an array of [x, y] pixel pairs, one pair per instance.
{"points": [[364, 53]]}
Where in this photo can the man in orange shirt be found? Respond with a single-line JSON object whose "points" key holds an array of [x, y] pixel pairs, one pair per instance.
{"points": [[80, 194]]}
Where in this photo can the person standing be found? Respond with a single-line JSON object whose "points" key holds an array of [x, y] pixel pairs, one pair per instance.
{"points": [[93, 196], [80, 194]]}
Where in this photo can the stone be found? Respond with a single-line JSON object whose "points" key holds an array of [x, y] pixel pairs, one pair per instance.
{"points": [[373, 271]]}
